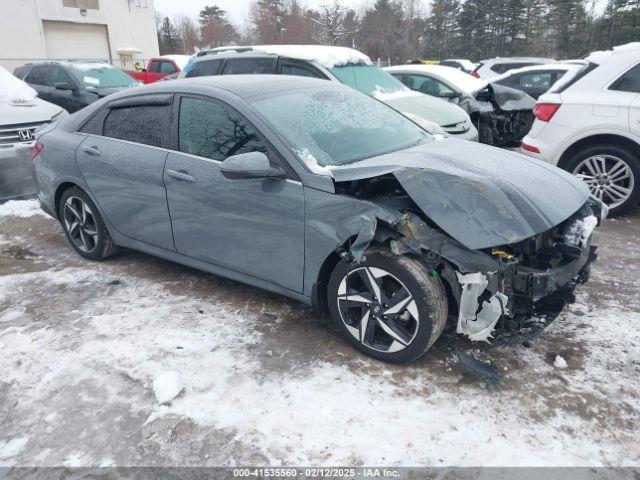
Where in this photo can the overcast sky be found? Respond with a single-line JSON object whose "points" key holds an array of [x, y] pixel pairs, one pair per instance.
{"points": [[238, 10]]}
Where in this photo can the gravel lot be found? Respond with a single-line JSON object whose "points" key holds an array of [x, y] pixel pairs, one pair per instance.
{"points": [[266, 383]]}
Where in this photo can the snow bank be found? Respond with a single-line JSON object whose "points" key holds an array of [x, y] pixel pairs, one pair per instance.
{"points": [[11, 314], [14, 90], [167, 386], [328, 57], [12, 447], [21, 208]]}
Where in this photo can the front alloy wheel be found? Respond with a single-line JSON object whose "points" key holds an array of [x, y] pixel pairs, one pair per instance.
{"points": [[377, 309], [387, 306]]}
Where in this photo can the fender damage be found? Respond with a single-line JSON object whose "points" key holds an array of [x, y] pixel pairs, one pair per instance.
{"points": [[511, 263]]}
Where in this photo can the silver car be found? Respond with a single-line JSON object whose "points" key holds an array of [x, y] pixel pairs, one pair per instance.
{"points": [[318, 192]]}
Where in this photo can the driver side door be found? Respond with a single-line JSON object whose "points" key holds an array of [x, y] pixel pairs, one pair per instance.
{"points": [[252, 226]]}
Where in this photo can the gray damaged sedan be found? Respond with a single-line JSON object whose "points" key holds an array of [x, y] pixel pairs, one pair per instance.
{"points": [[315, 191]]}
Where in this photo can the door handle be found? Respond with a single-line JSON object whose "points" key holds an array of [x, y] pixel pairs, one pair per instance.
{"points": [[185, 177], [92, 150]]}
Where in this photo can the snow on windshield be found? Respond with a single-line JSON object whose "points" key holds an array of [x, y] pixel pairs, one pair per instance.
{"points": [[14, 90], [336, 125]]}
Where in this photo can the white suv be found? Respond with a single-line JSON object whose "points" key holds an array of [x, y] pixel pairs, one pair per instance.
{"points": [[590, 126]]}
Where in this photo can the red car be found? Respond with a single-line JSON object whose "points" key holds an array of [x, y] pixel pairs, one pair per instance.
{"points": [[159, 67]]}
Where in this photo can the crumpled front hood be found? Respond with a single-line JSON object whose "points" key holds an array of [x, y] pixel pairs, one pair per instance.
{"points": [[481, 196]]}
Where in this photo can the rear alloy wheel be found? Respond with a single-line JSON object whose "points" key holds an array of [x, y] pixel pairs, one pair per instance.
{"points": [[389, 307], [84, 226], [611, 174]]}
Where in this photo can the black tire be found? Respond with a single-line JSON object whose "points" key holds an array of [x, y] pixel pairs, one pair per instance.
{"points": [[90, 245], [426, 290], [631, 159]]}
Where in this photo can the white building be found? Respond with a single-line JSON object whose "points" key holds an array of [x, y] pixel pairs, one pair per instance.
{"points": [[119, 31]]}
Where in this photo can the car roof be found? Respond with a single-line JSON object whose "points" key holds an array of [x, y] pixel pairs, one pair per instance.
{"points": [[243, 86], [222, 54], [326, 55], [71, 63], [518, 59], [630, 49]]}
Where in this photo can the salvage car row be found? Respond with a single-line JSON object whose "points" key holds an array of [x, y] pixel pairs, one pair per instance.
{"points": [[500, 103], [335, 183]]}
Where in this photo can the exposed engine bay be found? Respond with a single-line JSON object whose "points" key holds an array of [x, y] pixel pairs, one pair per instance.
{"points": [[504, 293], [502, 115]]}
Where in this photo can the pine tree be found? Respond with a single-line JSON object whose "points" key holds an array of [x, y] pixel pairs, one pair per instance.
{"points": [[269, 21], [215, 29], [169, 39]]}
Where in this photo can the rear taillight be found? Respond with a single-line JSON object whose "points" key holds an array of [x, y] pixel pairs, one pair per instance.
{"points": [[475, 74], [545, 111], [530, 148], [36, 149]]}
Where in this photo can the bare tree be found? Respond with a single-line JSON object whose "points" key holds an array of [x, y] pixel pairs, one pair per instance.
{"points": [[188, 33], [329, 23]]}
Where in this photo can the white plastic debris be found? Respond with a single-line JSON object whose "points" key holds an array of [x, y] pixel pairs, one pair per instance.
{"points": [[167, 386], [478, 327], [560, 362]]}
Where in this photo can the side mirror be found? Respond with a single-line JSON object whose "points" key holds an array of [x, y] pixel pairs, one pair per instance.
{"points": [[65, 86], [249, 165]]}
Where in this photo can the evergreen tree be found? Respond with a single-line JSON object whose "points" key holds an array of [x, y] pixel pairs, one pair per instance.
{"points": [[169, 41], [215, 29]]}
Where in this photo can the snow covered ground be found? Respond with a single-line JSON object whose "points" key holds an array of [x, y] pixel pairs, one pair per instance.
{"points": [[261, 381]]}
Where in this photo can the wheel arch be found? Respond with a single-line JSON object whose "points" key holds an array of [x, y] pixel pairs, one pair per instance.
{"points": [[64, 186], [598, 139], [319, 300]]}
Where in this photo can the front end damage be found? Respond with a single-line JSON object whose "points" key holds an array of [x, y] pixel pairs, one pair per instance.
{"points": [[501, 294], [502, 115], [508, 294]]}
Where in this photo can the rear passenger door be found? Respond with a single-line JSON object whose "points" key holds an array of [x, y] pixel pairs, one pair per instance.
{"points": [[253, 226], [122, 160], [242, 66]]}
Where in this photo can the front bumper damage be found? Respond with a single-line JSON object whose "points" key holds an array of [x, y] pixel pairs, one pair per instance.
{"points": [[500, 299]]}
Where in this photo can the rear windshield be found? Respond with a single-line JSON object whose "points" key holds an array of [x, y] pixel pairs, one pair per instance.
{"points": [[98, 76], [335, 125]]}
